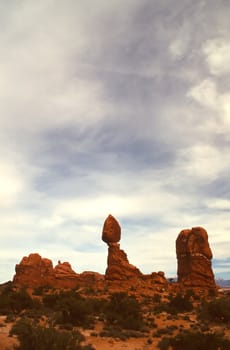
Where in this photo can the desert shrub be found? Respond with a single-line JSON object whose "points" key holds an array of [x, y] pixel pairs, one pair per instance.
{"points": [[71, 308], [39, 290], [123, 334], [217, 310], [35, 337], [157, 298], [113, 332], [177, 303], [16, 301], [195, 341], [51, 300], [34, 313], [180, 303], [163, 331], [124, 311], [150, 322], [74, 309]]}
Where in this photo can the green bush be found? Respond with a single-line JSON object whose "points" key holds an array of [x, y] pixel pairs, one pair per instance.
{"points": [[124, 311], [180, 303], [71, 308], [157, 298], [35, 337], [217, 310], [177, 303], [16, 301], [195, 341]]}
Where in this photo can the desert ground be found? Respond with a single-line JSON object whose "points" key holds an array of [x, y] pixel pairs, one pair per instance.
{"points": [[158, 324]]}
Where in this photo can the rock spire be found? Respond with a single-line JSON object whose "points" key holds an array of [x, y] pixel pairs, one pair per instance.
{"points": [[194, 267], [118, 266]]}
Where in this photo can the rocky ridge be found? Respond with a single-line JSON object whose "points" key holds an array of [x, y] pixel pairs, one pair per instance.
{"points": [[193, 255]]}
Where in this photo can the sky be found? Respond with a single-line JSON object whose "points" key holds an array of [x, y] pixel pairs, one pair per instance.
{"points": [[113, 107]]}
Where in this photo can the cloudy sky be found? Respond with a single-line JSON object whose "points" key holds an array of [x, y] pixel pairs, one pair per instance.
{"points": [[118, 107]]}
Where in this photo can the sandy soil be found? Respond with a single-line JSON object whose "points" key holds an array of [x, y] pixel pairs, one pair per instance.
{"points": [[6, 342], [149, 342]]}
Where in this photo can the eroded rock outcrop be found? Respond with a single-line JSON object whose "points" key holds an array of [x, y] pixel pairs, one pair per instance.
{"points": [[159, 277], [90, 278], [34, 271], [118, 266], [64, 271], [194, 267]]}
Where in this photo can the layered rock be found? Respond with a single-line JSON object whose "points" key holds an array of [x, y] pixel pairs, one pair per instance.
{"points": [[90, 278], [34, 271], [194, 255], [64, 271], [118, 266], [159, 277]]}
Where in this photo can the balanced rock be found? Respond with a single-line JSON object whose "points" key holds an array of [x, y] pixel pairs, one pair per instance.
{"points": [[118, 266], [111, 232], [194, 267], [34, 271]]}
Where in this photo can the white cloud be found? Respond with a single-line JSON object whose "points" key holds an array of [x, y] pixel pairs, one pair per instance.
{"points": [[204, 162], [205, 93], [70, 65], [218, 203], [141, 203], [177, 48], [217, 53], [11, 184], [43, 84], [224, 105]]}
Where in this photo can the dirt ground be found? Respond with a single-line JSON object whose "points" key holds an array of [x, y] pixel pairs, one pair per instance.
{"points": [[6, 342], [149, 340]]}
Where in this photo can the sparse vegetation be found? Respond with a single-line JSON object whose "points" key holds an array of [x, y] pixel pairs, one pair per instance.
{"points": [[124, 311], [176, 304], [216, 310], [176, 321], [195, 341], [71, 308], [35, 337], [12, 301]]}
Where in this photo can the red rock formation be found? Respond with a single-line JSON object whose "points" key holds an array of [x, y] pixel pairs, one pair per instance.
{"points": [[194, 256], [159, 277], [118, 264], [34, 271], [64, 271], [89, 278], [111, 232]]}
